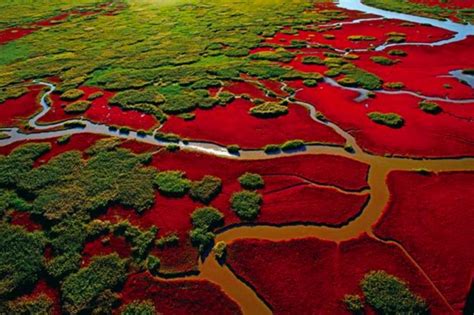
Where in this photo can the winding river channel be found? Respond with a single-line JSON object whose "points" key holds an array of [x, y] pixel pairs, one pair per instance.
{"points": [[380, 166]]}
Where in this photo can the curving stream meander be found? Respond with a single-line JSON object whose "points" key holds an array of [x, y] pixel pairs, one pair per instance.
{"points": [[380, 166]]}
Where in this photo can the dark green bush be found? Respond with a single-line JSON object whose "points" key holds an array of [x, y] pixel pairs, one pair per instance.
{"points": [[354, 304], [430, 107], [95, 96], [78, 107], [21, 259], [397, 52], [251, 181], [139, 308], [169, 240], [388, 119], [381, 60], [310, 83], [246, 204], [312, 60], [268, 110], [172, 183], [72, 95], [390, 295], [233, 148], [207, 218], [153, 264], [293, 145], [394, 85], [62, 265], [272, 148], [80, 289], [40, 305], [206, 189]]}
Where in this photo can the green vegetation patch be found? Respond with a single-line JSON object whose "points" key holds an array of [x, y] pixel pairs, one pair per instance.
{"points": [[206, 189], [80, 289], [251, 181], [381, 60], [72, 95], [246, 204], [293, 145], [387, 119], [269, 110], [21, 259], [430, 107], [312, 60], [77, 107], [172, 183], [204, 221], [139, 308], [390, 295], [359, 38]]}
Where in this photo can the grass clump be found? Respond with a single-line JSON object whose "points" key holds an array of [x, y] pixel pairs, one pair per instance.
{"points": [[251, 181], [220, 251], [390, 295], [139, 308], [359, 38], [172, 183], [40, 305], [354, 304], [279, 56], [206, 189], [293, 145], [204, 221], [95, 96], [233, 149], [310, 82], [312, 60], [347, 81], [397, 52], [80, 289], [271, 149], [78, 107], [387, 119], [246, 204], [170, 240], [363, 78], [72, 95], [430, 107], [269, 110], [384, 61], [21, 257], [394, 85]]}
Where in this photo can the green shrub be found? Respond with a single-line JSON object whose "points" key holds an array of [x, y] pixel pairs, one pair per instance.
{"points": [[207, 218], [141, 240], [72, 95], [63, 139], [226, 98], [310, 83], [204, 221], [233, 149], [21, 257], [363, 78], [62, 265], [246, 204], [40, 305], [251, 181], [389, 295], [206, 189], [271, 148], [139, 308], [329, 36], [347, 81], [388, 119], [95, 96], [153, 264], [236, 52], [74, 125], [269, 110], [131, 97], [172, 183], [397, 52], [394, 85], [381, 60], [78, 107], [354, 304], [312, 60], [80, 289], [430, 107], [293, 145], [358, 38], [169, 240], [220, 250], [280, 56], [167, 137], [4, 135]]}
